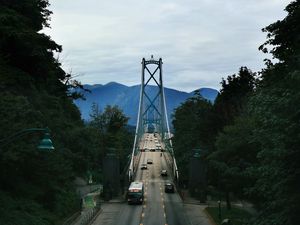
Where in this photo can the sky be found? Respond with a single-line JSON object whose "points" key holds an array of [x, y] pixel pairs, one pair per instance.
{"points": [[199, 41]]}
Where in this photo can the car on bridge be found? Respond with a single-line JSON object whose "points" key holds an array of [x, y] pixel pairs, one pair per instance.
{"points": [[169, 188], [149, 161], [144, 166], [164, 173]]}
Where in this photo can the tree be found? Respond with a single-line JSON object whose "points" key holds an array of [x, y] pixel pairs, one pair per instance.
{"points": [[226, 158], [34, 94], [233, 95], [276, 108], [192, 126], [110, 129], [233, 160]]}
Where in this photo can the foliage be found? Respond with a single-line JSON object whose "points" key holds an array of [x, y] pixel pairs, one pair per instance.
{"points": [[197, 124], [275, 106], [110, 130], [233, 95], [235, 157], [37, 187], [192, 129], [256, 152]]}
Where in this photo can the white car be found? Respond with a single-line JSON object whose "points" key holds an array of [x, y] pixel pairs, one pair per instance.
{"points": [[144, 166], [164, 173]]}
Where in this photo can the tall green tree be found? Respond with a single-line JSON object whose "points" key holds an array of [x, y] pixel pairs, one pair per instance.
{"points": [[110, 128], [192, 129], [36, 186], [227, 165], [275, 106], [233, 95], [233, 160]]}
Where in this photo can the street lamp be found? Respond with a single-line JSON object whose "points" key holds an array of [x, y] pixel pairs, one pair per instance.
{"points": [[45, 143]]}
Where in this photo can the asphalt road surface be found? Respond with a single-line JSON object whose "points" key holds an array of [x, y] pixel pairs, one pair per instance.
{"points": [[158, 208]]}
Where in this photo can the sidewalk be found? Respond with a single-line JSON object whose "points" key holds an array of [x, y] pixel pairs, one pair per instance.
{"points": [[192, 204], [92, 214], [195, 210]]}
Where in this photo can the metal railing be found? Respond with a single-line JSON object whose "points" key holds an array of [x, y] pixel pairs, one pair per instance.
{"points": [[88, 214]]}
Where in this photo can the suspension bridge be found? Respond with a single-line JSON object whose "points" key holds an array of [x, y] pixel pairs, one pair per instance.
{"points": [[152, 118], [152, 163]]}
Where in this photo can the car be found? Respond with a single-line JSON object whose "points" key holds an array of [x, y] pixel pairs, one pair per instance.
{"points": [[144, 166], [169, 188], [149, 161], [152, 149], [164, 173]]}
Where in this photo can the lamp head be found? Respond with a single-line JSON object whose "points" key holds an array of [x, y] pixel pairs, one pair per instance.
{"points": [[46, 143]]}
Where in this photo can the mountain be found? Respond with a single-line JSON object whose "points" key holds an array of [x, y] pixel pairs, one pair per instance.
{"points": [[127, 98]]}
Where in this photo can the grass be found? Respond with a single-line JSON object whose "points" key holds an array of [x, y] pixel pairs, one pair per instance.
{"points": [[237, 215]]}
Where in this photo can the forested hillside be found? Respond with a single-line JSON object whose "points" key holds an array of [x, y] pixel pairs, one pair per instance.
{"points": [[127, 98], [37, 186], [250, 136]]}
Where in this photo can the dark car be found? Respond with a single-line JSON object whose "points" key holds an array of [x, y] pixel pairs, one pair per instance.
{"points": [[143, 166], [169, 188], [164, 173], [149, 161]]}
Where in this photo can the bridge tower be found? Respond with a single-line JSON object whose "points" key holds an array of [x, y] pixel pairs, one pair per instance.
{"points": [[152, 115], [152, 112]]}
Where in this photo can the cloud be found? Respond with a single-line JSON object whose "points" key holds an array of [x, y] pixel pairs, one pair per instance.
{"points": [[200, 41]]}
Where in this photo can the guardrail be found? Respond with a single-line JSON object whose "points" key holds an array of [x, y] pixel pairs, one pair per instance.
{"points": [[88, 216], [71, 219]]}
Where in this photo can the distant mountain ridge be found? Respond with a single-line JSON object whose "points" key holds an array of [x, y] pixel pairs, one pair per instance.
{"points": [[127, 98]]}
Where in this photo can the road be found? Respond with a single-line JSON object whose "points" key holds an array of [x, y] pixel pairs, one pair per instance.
{"points": [[159, 208]]}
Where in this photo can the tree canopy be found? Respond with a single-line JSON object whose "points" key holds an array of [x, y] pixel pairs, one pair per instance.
{"points": [[37, 187], [255, 150]]}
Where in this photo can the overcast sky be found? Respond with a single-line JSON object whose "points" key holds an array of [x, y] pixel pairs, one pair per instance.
{"points": [[200, 41]]}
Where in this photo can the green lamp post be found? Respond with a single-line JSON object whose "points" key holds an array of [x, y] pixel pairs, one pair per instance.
{"points": [[45, 143]]}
